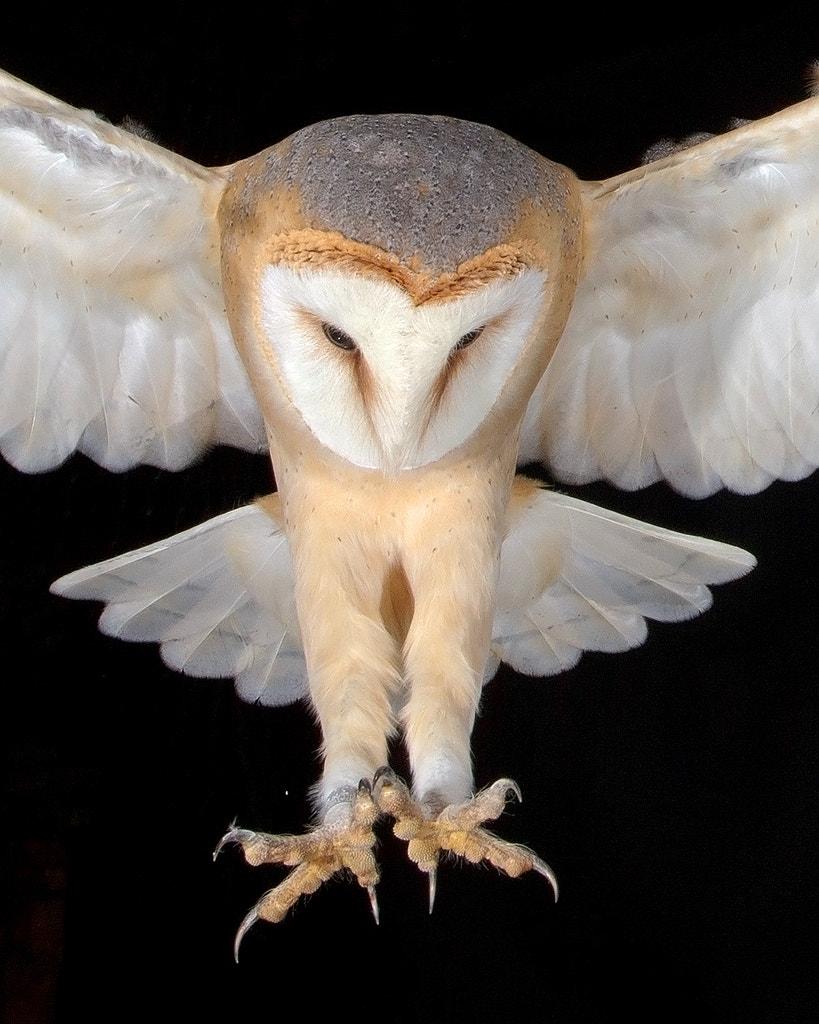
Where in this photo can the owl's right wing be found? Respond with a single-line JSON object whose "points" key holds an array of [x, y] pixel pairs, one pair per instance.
{"points": [[113, 334]]}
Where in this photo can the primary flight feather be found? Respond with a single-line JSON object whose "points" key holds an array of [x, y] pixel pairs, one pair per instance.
{"points": [[403, 309]]}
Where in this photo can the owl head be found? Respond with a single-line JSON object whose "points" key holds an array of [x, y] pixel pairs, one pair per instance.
{"points": [[397, 283]]}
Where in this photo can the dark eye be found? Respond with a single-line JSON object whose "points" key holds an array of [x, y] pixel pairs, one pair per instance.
{"points": [[466, 340], [339, 338]]}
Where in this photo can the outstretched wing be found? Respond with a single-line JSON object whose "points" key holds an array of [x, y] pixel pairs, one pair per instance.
{"points": [[692, 350], [575, 577], [113, 335], [218, 599]]}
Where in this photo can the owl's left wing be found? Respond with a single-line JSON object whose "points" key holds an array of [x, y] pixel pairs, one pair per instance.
{"points": [[113, 334], [692, 350]]}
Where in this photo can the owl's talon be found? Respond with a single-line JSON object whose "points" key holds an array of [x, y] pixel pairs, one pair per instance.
{"points": [[346, 844], [456, 829], [250, 918], [373, 903], [514, 789], [433, 885], [231, 836], [383, 772], [542, 868]]}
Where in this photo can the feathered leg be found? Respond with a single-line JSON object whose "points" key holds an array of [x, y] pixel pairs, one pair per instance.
{"points": [[445, 655], [353, 668]]}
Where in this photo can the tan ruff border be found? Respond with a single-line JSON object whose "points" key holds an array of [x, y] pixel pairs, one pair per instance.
{"points": [[313, 248]]}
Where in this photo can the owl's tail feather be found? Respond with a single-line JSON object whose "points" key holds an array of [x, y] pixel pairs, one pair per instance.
{"points": [[218, 599], [575, 577]]}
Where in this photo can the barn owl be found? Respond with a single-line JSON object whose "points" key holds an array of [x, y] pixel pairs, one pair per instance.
{"points": [[403, 310]]}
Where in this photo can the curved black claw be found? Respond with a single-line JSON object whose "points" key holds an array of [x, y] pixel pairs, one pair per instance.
{"points": [[543, 868], [513, 788], [250, 918], [373, 903], [384, 772], [231, 836]]}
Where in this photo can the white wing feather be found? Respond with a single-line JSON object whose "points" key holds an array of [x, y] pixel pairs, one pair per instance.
{"points": [[217, 598], [575, 577], [113, 335], [692, 350]]}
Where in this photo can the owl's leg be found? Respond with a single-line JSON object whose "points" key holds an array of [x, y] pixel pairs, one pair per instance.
{"points": [[353, 668], [445, 654]]}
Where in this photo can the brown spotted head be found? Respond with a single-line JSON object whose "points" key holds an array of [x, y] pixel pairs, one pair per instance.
{"points": [[412, 260]]}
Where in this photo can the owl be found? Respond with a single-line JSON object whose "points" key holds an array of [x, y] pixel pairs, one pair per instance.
{"points": [[403, 310]]}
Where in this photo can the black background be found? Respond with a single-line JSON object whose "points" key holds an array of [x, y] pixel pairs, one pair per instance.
{"points": [[673, 789]]}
